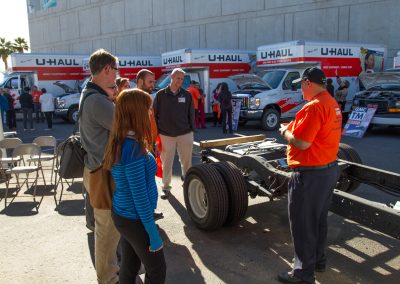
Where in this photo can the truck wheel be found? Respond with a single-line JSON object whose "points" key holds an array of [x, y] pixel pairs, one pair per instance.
{"points": [[206, 197], [73, 114], [346, 152], [237, 191], [270, 119]]}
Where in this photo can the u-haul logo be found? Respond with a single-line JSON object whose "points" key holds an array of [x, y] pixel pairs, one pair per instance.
{"points": [[57, 62], [173, 60], [135, 63], [326, 51], [277, 53], [225, 58]]}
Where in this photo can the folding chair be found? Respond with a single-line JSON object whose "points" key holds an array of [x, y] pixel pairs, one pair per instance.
{"points": [[46, 141], [29, 150], [10, 144]]}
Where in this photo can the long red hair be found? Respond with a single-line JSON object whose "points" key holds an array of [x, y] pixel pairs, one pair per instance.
{"points": [[131, 114]]}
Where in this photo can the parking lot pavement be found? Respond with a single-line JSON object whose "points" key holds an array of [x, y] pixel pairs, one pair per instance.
{"points": [[54, 246]]}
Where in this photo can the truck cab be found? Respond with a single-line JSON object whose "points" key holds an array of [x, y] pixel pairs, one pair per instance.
{"points": [[16, 82], [269, 97], [67, 105]]}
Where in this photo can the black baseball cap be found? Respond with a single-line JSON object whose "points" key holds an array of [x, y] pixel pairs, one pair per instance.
{"points": [[313, 74]]}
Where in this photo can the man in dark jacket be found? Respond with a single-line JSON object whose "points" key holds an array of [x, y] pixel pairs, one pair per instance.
{"points": [[174, 113], [26, 102], [11, 117]]}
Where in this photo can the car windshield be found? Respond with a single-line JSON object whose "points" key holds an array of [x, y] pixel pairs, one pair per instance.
{"points": [[273, 78], [385, 87], [255, 86]]}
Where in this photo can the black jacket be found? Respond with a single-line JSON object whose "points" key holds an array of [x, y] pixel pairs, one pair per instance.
{"points": [[226, 100], [10, 100], [174, 113], [26, 100]]}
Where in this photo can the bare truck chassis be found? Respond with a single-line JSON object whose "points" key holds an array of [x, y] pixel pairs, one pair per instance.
{"points": [[216, 192]]}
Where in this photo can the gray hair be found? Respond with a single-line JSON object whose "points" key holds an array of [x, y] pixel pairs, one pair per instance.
{"points": [[177, 70]]}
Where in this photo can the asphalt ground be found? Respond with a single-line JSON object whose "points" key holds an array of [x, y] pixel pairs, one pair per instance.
{"points": [[54, 246]]}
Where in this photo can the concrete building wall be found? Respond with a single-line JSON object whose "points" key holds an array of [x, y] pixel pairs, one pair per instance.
{"points": [[154, 26]]}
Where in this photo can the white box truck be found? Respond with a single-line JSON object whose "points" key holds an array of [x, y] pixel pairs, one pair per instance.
{"points": [[67, 105], [44, 70], [396, 61], [208, 67], [279, 64]]}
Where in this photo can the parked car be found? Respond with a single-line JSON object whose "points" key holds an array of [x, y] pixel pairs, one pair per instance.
{"points": [[382, 90]]}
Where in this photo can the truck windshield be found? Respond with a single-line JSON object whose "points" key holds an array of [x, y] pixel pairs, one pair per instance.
{"points": [[273, 78]]}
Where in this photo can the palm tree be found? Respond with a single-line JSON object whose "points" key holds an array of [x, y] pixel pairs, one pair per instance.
{"points": [[6, 48], [20, 44]]}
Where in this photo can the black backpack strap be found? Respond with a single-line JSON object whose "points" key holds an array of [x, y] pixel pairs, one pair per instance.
{"points": [[80, 110]]}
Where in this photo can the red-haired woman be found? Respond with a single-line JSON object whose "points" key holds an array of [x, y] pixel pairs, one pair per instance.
{"points": [[133, 168]]}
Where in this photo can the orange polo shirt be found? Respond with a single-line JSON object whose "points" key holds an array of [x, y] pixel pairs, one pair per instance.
{"points": [[319, 122], [195, 96]]}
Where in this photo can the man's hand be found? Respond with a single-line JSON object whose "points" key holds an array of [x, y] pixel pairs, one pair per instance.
{"points": [[283, 129]]}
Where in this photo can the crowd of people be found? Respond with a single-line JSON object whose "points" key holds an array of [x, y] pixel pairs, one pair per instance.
{"points": [[32, 101], [124, 131]]}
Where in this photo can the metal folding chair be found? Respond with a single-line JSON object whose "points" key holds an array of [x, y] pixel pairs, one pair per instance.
{"points": [[9, 144], [29, 150], [48, 142]]}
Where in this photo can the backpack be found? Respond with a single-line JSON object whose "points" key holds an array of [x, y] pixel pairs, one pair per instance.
{"points": [[72, 154]]}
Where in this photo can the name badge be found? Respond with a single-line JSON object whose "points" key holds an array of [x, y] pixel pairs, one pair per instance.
{"points": [[181, 100]]}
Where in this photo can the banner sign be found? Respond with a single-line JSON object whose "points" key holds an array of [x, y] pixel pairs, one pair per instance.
{"points": [[358, 121]]}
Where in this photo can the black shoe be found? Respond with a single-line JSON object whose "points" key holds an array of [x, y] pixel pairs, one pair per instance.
{"points": [[90, 227], [320, 268], [289, 277], [158, 215], [165, 194]]}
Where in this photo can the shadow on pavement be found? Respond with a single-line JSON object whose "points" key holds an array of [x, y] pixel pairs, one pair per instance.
{"points": [[259, 247], [71, 207]]}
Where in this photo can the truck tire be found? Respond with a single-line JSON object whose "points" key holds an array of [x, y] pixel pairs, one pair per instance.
{"points": [[346, 152], [73, 114], [270, 119], [206, 197], [237, 191]]}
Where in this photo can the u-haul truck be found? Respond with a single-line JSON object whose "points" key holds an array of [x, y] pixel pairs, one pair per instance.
{"points": [[208, 67], [50, 71], [279, 64], [67, 106]]}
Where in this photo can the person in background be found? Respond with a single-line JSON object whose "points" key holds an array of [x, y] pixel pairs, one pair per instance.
{"points": [[196, 96], [146, 81], [174, 113], [47, 105], [202, 115], [128, 156], [216, 106], [369, 63], [11, 116], [122, 84], [26, 102], [225, 98], [36, 93], [329, 87], [4, 107], [313, 143], [342, 91]]}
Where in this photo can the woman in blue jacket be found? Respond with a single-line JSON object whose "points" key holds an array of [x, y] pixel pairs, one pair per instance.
{"points": [[133, 168]]}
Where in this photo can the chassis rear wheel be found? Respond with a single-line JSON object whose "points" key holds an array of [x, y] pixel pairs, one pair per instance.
{"points": [[237, 191], [206, 197], [346, 152]]}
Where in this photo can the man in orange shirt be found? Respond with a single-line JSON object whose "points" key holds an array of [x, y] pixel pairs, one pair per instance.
{"points": [[313, 142], [36, 93], [196, 96]]}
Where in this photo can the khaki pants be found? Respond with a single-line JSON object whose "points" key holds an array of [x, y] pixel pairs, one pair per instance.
{"points": [[184, 145], [106, 240]]}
